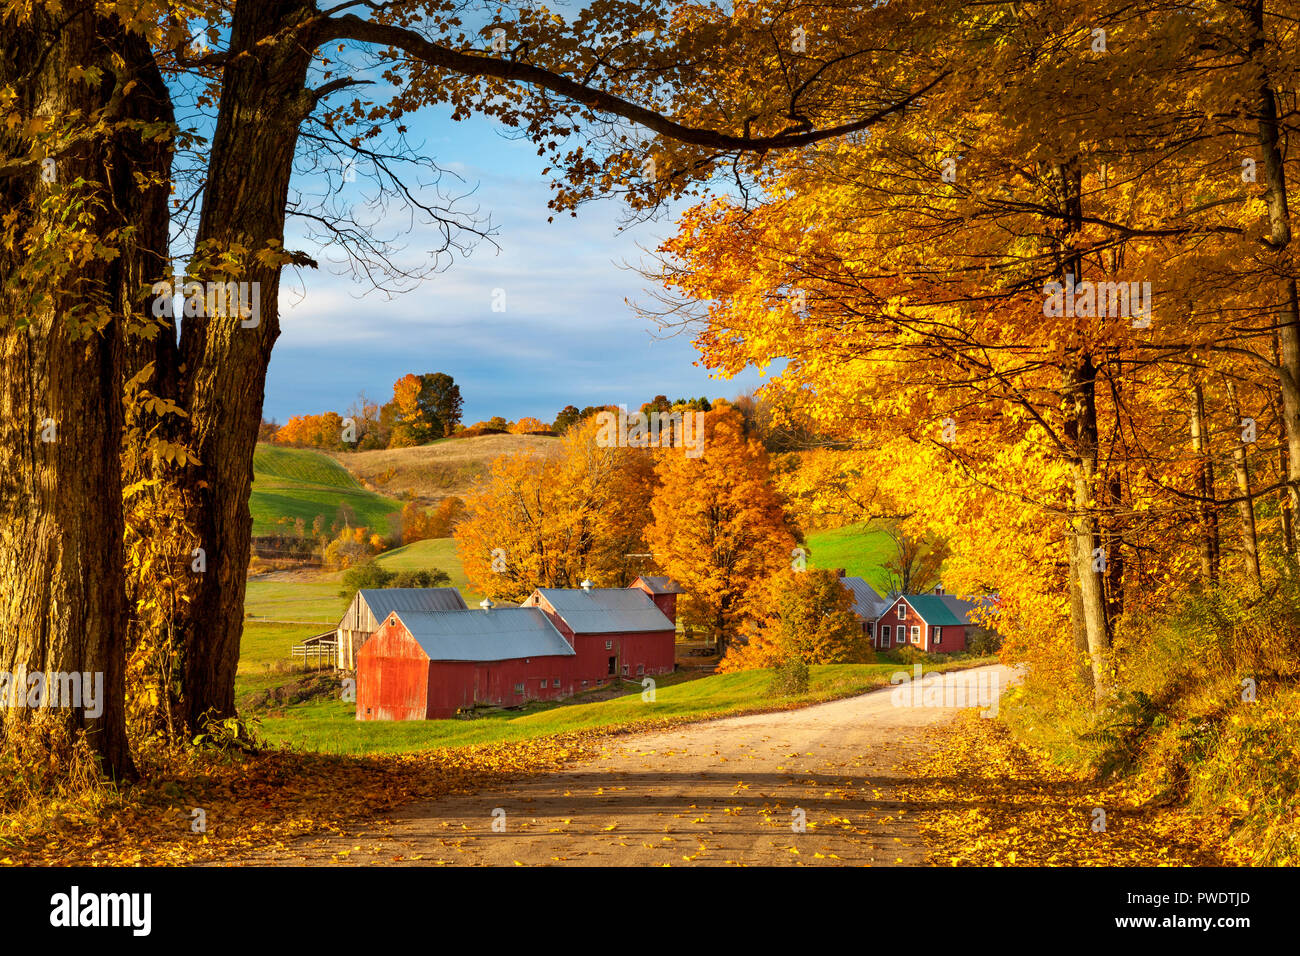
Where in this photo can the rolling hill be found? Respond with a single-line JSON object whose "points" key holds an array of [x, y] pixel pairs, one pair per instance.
{"points": [[292, 483], [442, 469]]}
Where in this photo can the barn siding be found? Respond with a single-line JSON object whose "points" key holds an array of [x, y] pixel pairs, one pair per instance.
{"points": [[392, 676]]}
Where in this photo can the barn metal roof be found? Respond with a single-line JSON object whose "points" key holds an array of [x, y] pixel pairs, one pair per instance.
{"points": [[662, 585], [383, 601], [497, 635], [607, 610], [867, 602], [933, 609], [965, 609]]}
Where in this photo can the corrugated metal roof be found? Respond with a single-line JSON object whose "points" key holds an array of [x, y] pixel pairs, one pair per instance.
{"points": [[607, 610], [662, 585], [933, 609], [867, 602], [497, 635], [965, 609], [372, 606]]}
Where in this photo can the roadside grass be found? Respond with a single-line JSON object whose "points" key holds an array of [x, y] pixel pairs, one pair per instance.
{"points": [[292, 483], [314, 598], [331, 726], [858, 548]]}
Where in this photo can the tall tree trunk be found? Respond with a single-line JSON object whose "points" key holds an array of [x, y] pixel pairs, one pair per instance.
{"points": [[1269, 135], [1207, 514], [61, 555], [1090, 558], [264, 100], [1246, 506]]}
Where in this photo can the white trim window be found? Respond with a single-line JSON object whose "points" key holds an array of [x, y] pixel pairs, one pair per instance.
{"points": [[916, 634], [884, 635], [937, 633], [902, 611]]}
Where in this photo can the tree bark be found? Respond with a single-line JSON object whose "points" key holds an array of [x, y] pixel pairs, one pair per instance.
{"points": [[61, 378], [1269, 136], [264, 100], [1246, 506], [1207, 514]]}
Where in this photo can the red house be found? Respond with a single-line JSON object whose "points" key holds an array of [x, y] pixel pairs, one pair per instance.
{"points": [[429, 664], [616, 632], [934, 623]]}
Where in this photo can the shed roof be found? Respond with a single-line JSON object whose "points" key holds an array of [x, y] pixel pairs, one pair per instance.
{"points": [[498, 635], [380, 602], [607, 610], [933, 609], [867, 602], [662, 585]]}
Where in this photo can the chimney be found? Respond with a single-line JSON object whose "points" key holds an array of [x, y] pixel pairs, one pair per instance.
{"points": [[840, 572], [586, 585], [486, 604], [938, 589]]}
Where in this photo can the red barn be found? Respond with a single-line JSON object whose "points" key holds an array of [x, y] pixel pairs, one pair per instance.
{"points": [[616, 632], [663, 591], [429, 664]]}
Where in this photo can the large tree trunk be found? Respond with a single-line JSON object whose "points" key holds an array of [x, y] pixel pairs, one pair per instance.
{"points": [[1090, 558], [61, 555], [1269, 135], [1207, 514], [1246, 504], [263, 102]]}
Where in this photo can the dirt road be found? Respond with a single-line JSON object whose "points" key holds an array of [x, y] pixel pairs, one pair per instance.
{"points": [[812, 786]]}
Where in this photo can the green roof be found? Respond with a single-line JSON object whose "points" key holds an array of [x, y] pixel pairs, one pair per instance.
{"points": [[932, 609]]}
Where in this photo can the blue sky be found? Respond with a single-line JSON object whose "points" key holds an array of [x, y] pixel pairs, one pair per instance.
{"points": [[567, 335]]}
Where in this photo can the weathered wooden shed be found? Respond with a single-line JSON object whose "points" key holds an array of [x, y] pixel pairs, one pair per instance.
{"points": [[617, 632], [372, 606], [430, 664]]}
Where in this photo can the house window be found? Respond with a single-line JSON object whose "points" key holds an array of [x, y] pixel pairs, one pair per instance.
{"points": [[938, 635], [609, 645], [884, 636], [640, 669], [543, 683], [902, 612], [556, 682], [871, 627], [519, 688], [916, 634], [625, 669]]}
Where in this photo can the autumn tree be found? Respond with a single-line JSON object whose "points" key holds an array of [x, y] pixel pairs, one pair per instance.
{"points": [[719, 524], [806, 615], [536, 521]]}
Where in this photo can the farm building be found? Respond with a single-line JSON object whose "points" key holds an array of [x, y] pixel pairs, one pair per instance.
{"points": [[421, 664], [663, 591], [616, 632], [934, 623], [372, 606], [868, 605]]}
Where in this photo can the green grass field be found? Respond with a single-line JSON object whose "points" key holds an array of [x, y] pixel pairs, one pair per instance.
{"points": [[859, 549], [433, 553], [299, 483], [331, 726]]}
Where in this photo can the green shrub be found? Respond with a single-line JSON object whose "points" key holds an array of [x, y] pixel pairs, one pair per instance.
{"points": [[790, 677]]}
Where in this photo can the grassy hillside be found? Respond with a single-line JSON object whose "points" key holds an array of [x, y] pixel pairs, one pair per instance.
{"points": [[860, 550], [444, 468], [299, 483], [437, 553], [331, 725]]}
